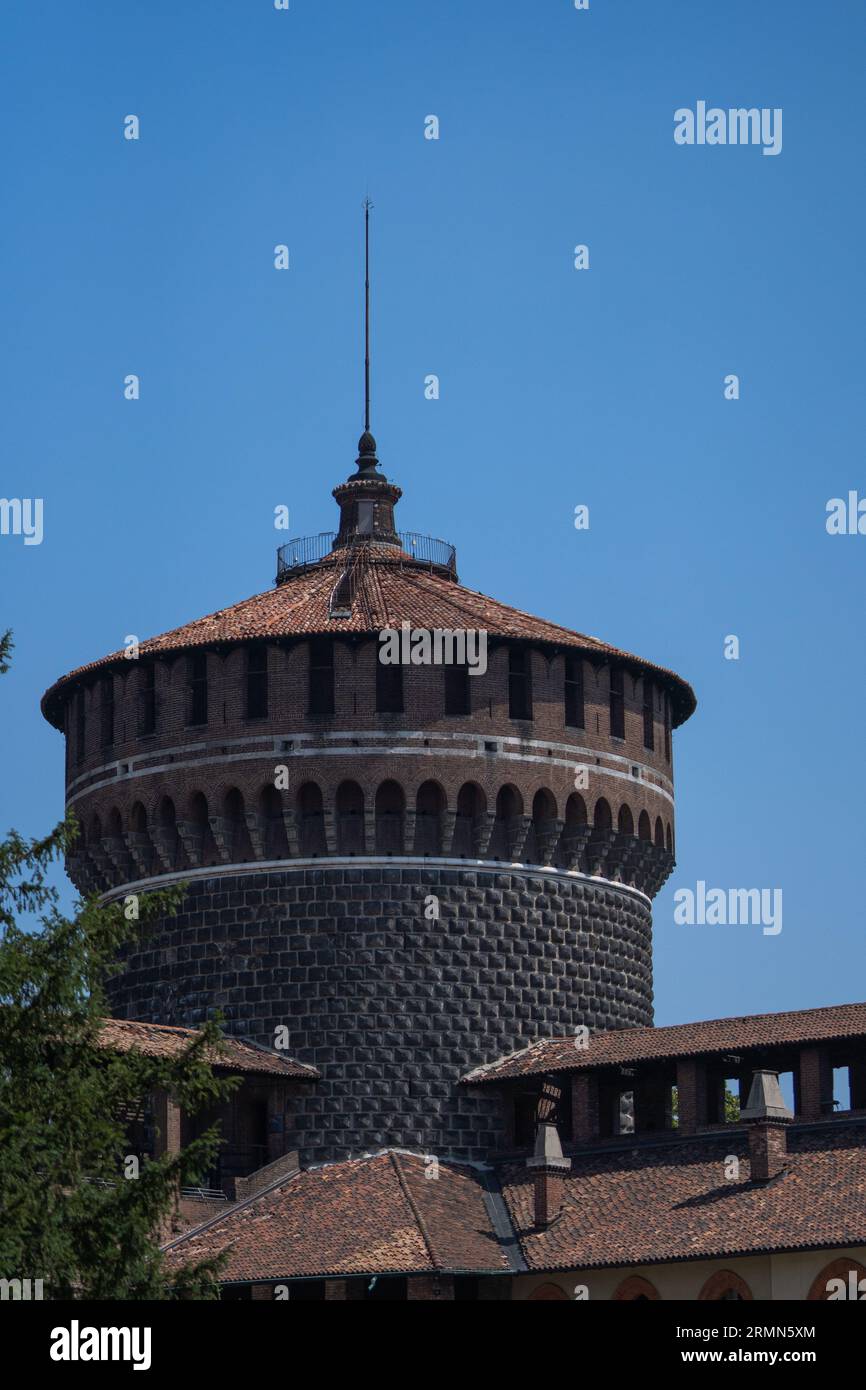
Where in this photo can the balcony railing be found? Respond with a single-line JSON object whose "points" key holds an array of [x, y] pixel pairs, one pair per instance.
{"points": [[300, 554]]}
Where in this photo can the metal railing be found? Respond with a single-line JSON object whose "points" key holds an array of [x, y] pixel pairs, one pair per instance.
{"points": [[304, 551], [429, 550]]}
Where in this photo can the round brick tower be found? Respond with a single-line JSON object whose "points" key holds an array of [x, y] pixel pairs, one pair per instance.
{"points": [[409, 868]]}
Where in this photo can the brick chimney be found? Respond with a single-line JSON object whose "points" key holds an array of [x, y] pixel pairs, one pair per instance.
{"points": [[548, 1167], [766, 1114]]}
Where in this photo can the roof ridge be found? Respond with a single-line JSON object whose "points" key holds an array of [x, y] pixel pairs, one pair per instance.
{"points": [[232, 1209], [419, 1221]]}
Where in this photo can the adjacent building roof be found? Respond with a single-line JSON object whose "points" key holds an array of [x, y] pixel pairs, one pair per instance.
{"points": [[673, 1202], [625, 1045], [160, 1040], [388, 590], [387, 1213]]}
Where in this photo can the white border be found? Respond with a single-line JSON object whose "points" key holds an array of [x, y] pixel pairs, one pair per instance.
{"points": [[356, 861]]}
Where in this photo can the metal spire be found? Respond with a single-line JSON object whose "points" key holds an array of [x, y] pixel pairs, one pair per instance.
{"points": [[367, 206]]}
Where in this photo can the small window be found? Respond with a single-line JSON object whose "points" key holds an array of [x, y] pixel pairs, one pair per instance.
{"points": [[389, 688], [617, 703], [147, 700], [519, 683], [80, 727], [257, 683], [457, 690], [106, 712], [574, 715], [321, 675], [198, 688], [648, 725], [667, 727]]}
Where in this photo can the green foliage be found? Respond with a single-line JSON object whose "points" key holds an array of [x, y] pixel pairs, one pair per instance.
{"points": [[67, 1213], [732, 1107]]}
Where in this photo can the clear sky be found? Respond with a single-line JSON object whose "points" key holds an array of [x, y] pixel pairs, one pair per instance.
{"points": [[558, 387]]}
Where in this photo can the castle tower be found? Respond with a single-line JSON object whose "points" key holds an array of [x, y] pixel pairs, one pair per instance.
{"points": [[412, 868]]}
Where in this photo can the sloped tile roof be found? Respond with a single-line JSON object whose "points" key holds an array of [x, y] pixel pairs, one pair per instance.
{"points": [[378, 1214], [160, 1040], [624, 1045], [673, 1202], [641, 1205], [388, 592]]}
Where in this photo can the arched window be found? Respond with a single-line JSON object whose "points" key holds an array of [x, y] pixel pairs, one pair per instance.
{"points": [[509, 805], [198, 810], [350, 818], [165, 832], [201, 835], [471, 803], [541, 843], [636, 1289], [236, 835], [547, 1293], [429, 806], [273, 826], [602, 818], [659, 833], [139, 841], [669, 839], [390, 805], [311, 821], [114, 827], [841, 1279], [572, 842], [644, 830], [725, 1286], [625, 821]]}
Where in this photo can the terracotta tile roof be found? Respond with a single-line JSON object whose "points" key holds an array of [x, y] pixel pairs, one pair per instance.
{"points": [[160, 1040], [641, 1205], [374, 1215], [623, 1045], [387, 593], [673, 1202]]}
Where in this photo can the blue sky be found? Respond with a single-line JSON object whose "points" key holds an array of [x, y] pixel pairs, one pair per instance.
{"points": [[558, 387]]}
